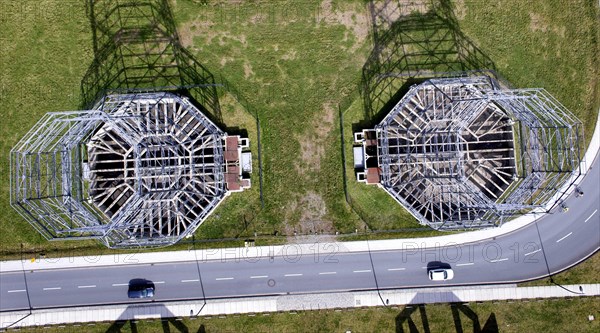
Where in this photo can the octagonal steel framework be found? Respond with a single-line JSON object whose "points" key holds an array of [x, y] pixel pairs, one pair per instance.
{"points": [[465, 152], [137, 170]]}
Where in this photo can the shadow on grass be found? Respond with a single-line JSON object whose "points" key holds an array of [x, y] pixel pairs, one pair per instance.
{"points": [[137, 48], [413, 41], [408, 317], [169, 323]]}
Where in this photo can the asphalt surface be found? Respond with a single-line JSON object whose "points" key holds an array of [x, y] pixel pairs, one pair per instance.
{"points": [[567, 238]]}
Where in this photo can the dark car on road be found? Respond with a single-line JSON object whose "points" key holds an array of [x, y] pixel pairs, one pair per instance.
{"points": [[140, 288]]}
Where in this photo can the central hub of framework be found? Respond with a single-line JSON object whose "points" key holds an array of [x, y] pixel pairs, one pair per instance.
{"points": [[162, 163]]}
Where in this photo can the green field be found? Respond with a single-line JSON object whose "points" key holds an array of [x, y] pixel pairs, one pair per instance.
{"points": [[296, 66], [559, 315]]}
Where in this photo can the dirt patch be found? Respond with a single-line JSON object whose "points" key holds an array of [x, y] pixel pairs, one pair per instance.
{"points": [[312, 220], [205, 29], [354, 20], [189, 30], [539, 23], [248, 72], [388, 12], [225, 60], [460, 9], [314, 139], [290, 55]]}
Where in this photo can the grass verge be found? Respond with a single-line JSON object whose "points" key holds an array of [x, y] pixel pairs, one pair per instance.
{"points": [[556, 315]]}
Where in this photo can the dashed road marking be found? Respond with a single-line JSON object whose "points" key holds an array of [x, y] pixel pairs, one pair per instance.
{"points": [[297, 274], [88, 286], [259, 277], [159, 282], [53, 288], [589, 217], [363, 271], [224, 278], [532, 252], [396, 269], [466, 264], [499, 260], [327, 273], [567, 235], [120, 284], [17, 291], [192, 280]]}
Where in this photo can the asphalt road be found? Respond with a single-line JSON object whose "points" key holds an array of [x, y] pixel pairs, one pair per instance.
{"points": [[567, 238]]}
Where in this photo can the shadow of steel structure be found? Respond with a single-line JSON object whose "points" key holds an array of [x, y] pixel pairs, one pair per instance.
{"points": [[414, 41], [145, 162], [137, 49]]}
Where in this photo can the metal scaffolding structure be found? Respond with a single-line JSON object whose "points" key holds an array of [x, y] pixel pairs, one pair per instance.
{"points": [[137, 170], [466, 153]]}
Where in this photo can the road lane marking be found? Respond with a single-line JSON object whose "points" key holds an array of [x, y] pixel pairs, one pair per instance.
{"points": [[159, 282], [466, 264], [499, 260], [225, 278], [259, 277], [589, 217], [53, 288], [90, 286], [567, 235], [396, 269], [532, 252], [120, 284], [193, 280], [293, 275], [327, 273], [363, 271], [17, 291]]}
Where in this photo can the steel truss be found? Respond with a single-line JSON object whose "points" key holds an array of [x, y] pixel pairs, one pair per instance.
{"points": [[137, 170], [465, 153]]}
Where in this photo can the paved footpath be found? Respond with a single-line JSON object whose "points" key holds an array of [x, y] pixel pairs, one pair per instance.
{"points": [[290, 303]]}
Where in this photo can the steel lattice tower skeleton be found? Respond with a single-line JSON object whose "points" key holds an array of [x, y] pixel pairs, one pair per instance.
{"points": [[138, 170], [465, 152]]}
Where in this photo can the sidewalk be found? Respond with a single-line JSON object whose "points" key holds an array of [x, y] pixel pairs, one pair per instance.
{"points": [[289, 303]]}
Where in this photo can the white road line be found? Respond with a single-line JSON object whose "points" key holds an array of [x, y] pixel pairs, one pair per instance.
{"points": [[363, 271], [589, 217], [396, 269], [90, 286], [293, 275], [567, 235], [194, 280], [159, 282], [466, 264], [221, 279], [499, 260], [53, 288], [259, 277], [327, 273], [532, 252], [424, 267], [120, 284], [17, 291]]}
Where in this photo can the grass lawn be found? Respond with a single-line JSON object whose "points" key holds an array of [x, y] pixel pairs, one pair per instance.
{"points": [[558, 315], [296, 66]]}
